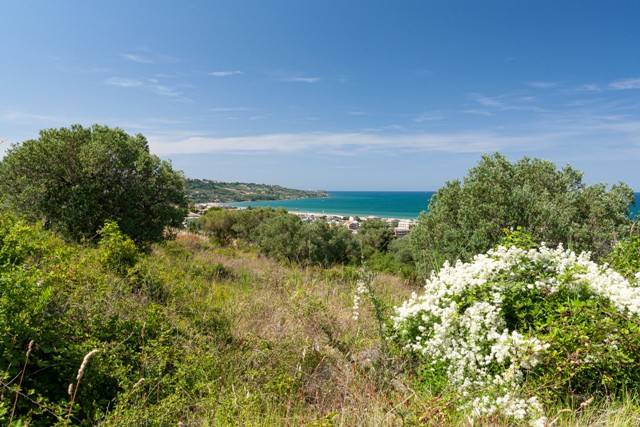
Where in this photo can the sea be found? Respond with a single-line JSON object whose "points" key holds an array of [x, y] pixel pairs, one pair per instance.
{"points": [[385, 204]]}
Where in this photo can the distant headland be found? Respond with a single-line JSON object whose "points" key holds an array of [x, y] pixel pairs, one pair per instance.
{"points": [[207, 191]]}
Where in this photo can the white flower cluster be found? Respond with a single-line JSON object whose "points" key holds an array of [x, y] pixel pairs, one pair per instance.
{"points": [[482, 356], [361, 289]]}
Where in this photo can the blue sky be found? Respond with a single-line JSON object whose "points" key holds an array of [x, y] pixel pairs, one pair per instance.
{"points": [[340, 95]]}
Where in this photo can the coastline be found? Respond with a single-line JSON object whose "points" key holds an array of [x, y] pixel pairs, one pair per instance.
{"points": [[402, 205], [333, 215]]}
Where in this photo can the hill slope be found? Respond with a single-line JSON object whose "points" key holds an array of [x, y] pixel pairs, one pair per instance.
{"points": [[204, 190]]}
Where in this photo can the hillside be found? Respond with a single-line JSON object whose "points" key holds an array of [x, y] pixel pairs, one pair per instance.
{"points": [[204, 190], [194, 333]]}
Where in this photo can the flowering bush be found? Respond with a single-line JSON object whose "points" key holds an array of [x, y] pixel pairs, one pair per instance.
{"points": [[516, 327]]}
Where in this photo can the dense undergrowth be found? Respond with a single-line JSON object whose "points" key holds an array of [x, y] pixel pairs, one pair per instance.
{"points": [[197, 333]]}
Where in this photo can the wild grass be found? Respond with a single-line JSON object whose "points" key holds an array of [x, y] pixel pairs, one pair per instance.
{"points": [[205, 335], [295, 356]]}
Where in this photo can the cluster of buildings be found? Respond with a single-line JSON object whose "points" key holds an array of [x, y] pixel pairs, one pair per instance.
{"points": [[400, 227], [199, 209]]}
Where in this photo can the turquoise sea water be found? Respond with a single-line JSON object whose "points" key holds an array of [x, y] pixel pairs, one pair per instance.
{"points": [[390, 204]]}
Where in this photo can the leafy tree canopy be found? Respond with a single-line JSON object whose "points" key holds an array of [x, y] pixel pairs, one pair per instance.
{"points": [[74, 179], [554, 205], [375, 235]]}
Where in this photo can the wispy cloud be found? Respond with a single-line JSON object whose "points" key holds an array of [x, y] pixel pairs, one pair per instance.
{"points": [[507, 103], [18, 116], [428, 117], [625, 84], [471, 142], [228, 109], [123, 82], [225, 73], [302, 79], [589, 87], [152, 85], [163, 90], [139, 58], [543, 84], [478, 112], [487, 101]]}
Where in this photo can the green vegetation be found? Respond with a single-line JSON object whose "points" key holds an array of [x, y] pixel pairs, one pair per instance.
{"points": [[254, 317], [74, 179], [188, 332], [375, 235], [555, 206], [625, 257], [204, 190], [281, 235], [530, 325]]}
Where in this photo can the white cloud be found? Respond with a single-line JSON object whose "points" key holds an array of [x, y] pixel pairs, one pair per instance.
{"points": [[163, 90], [152, 85], [507, 103], [463, 142], [228, 109], [136, 57], [123, 82], [225, 73], [302, 79], [478, 112], [487, 101], [542, 84], [589, 87], [625, 84], [16, 116], [428, 117]]}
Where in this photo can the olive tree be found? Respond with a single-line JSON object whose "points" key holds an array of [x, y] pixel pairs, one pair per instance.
{"points": [[554, 205], [74, 179]]}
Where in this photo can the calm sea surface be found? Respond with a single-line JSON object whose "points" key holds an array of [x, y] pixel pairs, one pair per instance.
{"points": [[390, 204]]}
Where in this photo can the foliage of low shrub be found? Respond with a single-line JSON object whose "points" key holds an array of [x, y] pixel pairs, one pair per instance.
{"points": [[117, 251], [374, 235], [516, 328], [286, 237], [60, 301], [225, 225], [625, 257]]}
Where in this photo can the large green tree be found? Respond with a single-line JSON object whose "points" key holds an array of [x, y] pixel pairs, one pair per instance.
{"points": [[554, 205], [74, 179]]}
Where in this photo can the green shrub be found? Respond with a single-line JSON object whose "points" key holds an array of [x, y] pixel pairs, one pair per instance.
{"points": [[218, 223], [58, 303], [554, 205], [117, 251], [279, 237], [212, 271], [374, 235], [74, 179], [518, 238], [625, 257], [516, 328]]}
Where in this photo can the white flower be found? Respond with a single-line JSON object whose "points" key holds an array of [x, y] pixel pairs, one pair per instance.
{"points": [[478, 349], [361, 289]]}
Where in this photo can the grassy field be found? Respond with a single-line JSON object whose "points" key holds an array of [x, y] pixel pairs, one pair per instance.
{"points": [[195, 333], [295, 356]]}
